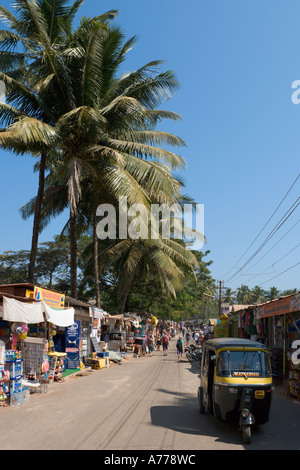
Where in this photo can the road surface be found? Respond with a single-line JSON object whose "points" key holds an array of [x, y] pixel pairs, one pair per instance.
{"points": [[147, 403]]}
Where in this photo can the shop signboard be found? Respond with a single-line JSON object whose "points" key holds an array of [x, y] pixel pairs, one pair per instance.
{"points": [[97, 315], [280, 307], [221, 330], [224, 318], [96, 312], [224, 310], [73, 337], [51, 298]]}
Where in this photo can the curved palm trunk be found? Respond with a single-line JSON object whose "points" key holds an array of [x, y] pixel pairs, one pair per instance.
{"points": [[37, 218], [96, 263], [126, 294], [73, 251]]}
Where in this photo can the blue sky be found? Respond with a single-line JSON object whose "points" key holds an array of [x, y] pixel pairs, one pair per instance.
{"points": [[235, 61]]}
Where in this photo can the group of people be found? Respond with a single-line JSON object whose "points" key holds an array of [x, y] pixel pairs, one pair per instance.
{"points": [[198, 337], [161, 339]]}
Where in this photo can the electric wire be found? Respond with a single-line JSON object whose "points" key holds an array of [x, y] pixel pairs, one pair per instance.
{"points": [[271, 234], [263, 226], [273, 264], [280, 273], [274, 245]]}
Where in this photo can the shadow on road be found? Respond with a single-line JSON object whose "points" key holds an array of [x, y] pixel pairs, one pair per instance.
{"points": [[280, 433], [185, 418]]}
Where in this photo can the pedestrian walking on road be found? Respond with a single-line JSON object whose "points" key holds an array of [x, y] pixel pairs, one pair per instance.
{"points": [[179, 346], [150, 343], [158, 341], [165, 343], [188, 338]]}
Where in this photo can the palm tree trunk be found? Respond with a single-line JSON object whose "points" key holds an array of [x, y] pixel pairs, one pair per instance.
{"points": [[126, 294], [37, 218], [96, 263], [73, 251]]}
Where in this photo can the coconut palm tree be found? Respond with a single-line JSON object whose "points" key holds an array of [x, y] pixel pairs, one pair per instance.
{"points": [[258, 295], [140, 259], [229, 296], [273, 293], [243, 295], [29, 57], [106, 121]]}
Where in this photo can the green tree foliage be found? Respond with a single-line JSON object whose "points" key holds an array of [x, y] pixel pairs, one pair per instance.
{"points": [[190, 301]]}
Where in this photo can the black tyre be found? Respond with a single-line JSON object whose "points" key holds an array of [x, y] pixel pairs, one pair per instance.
{"points": [[247, 433], [200, 401]]}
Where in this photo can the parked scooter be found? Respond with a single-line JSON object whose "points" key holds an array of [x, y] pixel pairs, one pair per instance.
{"points": [[193, 353]]}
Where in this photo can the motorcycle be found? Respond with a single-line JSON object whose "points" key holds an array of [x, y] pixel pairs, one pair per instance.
{"points": [[193, 353]]}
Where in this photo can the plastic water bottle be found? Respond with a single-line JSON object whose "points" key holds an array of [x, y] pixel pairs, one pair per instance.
{"points": [[20, 397], [26, 395], [13, 399]]}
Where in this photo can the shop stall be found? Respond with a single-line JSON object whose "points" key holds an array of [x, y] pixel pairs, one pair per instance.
{"points": [[59, 312], [293, 355], [84, 320], [29, 325], [131, 322], [275, 323]]}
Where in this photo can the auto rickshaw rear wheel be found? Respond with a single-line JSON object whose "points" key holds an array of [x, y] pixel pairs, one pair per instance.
{"points": [[247, 433], [200, 401]]}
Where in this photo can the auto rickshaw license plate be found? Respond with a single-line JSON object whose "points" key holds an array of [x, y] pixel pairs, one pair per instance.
{"points": [[259, 394]]}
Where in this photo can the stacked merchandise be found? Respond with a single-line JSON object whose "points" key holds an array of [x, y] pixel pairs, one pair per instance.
{"points": [[57, 365], [293, 356], [14, 364], [15, 390], [33, 353], [294, 380], [52, 367], [4, 377]]}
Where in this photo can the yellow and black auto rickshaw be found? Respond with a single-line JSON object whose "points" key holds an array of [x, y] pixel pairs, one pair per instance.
{"points": [[236, 382]]}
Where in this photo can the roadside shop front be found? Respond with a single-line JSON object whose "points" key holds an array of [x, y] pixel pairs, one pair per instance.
{"points": [[276, 324], [283, 330], [43, 334]]}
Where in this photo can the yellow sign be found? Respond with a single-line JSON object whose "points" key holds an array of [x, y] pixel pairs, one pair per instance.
{"points": [[51, 298], [224, 318], [221, 330]]}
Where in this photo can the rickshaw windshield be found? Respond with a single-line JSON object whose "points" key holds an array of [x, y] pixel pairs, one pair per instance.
{"points": [[241, 363]]}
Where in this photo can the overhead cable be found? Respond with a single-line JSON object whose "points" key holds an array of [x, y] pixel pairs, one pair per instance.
{"points": [[273, 264], [280, 273], [263, 226], [271, 234], [275, 244]]}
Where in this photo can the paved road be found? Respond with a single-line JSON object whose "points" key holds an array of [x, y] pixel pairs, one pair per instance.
{"points": [[146, 403]]}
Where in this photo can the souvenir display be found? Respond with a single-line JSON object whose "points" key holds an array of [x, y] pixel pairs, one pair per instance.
{"points": [[14, 389], [57, 366]]}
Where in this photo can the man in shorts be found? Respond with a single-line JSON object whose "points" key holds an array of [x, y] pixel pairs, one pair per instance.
{"points": [[179, 347], [165, 343]]}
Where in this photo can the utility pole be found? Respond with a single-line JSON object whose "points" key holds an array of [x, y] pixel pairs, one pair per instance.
{"points": [[221, 287], [210, 297]]}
